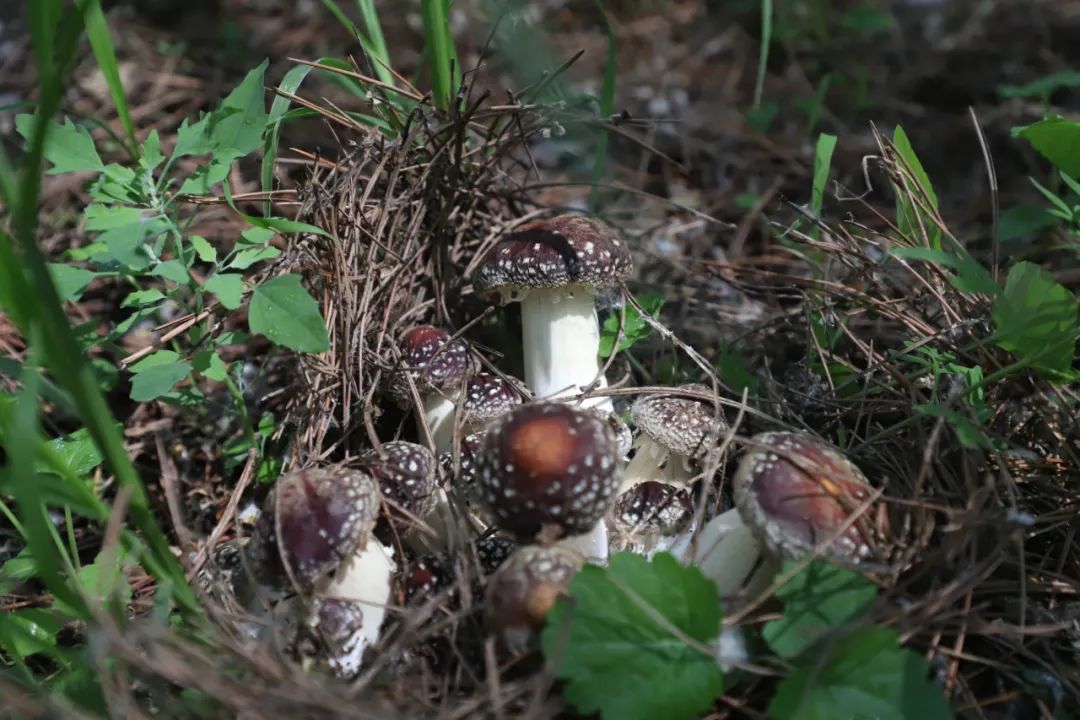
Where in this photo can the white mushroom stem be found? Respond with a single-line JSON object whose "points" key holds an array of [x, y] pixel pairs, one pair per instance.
{"points": [[439, 416], [364, 578], [593, 545], [725, 551], [561, 340], [440, 520], [646, 464]]}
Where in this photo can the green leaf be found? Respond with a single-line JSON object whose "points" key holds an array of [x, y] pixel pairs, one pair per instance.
{"points": [[150, 152], [77, 452], [210, 365], [70, 281], [68, 147], [236, 126], [203, 180], [283, 311], [907, 212], [155, 381], [826, 144], [818, 599], [97, 32], [1044, 87], [203, 248], [191, 139], [246, 258], [734, 370], [173, 270], [256, 236], [140, 298], [866, 676], [228, 288], [1022, 220], [1056, 139], [635, 327], [1036, 319], [970, 277], [16, 571], [617, 659], [29, 632]]}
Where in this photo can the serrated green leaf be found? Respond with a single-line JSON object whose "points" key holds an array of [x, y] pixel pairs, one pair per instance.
{"points": [[246, 258], [617, 659], [210, 365], [70, 281], [203, 180], [150, 152], [203, 248], [236, 127], [819, 598], [866, 676], [635, 327], [1036, 319], [172, 270], [1056, 139], [191, 139], [228, 288], [139, 298], [283, 311], [156, 380], [68, 147]]}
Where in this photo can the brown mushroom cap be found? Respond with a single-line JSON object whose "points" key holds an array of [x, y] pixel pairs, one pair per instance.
{"points": [[524, 590], [796, 492], [321, 515], [682, 425], [406, 474], [653, 507], [547, 467], [434, 360], [338, 624], [568, 250]]}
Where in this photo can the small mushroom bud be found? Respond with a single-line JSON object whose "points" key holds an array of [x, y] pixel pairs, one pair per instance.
{"points": [[425, 578], [487, 398], [556, 267], [796, 493], [651, 517], [438, 365], [524, 590], [548, 471], [408, 480], [492, 551]]}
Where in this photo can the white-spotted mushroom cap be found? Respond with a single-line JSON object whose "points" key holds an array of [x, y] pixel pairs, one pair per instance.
{"points": [[624, 437], [683, 425], [796, 492], [434, 360], [321, 515], [464, 475], [525, 589], [564, 251], [338, 624], [654, 508], [406, 474], [488, 397], [492, 551], [547, 468], [425, 578]]}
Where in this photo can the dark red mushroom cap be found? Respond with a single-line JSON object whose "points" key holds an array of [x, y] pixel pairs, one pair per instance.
{"points": [[563, 251], [683, 425], [488, 397], [435, 361], [492, 551], [548, 468], [426, 577], [464, 475], [524, 590], [653, 507], [406, 474], [321, 515], [796, 492]]}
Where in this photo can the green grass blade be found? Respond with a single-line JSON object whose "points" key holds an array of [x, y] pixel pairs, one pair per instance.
{"points": [[97, 30], [442, 58], [289, 84], [763, 55], [63, 354], [374, 43], [607, 102], [822, 162]]}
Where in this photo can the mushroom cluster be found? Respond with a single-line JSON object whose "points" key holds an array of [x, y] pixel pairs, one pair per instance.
{"points": [[530, 481]]}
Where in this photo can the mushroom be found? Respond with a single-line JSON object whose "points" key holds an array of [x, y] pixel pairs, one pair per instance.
{"points": [[555, 268], [650, 517], [487, 398], [438, 365], [323, 518], [407, 477], [548, 472], [524, 590], [792, 493], [674, 431]]}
